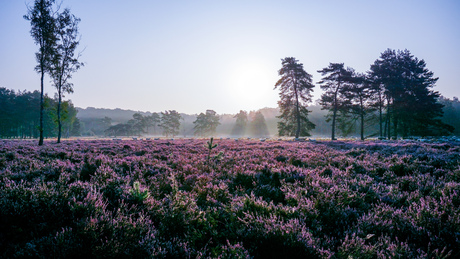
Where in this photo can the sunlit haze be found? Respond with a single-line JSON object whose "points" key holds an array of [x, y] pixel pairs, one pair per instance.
{"points": [[224, 55]]}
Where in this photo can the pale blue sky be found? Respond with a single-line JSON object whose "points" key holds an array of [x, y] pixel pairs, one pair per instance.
{"points": [[224, 55]]}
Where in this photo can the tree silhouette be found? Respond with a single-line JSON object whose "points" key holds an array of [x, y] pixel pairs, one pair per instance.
{"points": [[377, 98], [19, 115], [295, 87], [258, 125], [152, 121], [358, 93], [206, 124], [138, 124], [240, 125], [65, 61], [451, 113], [43, 32], [412, 107], [334, 84], [170, 123]]}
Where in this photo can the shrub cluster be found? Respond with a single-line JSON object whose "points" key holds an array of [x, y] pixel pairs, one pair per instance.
{"points": [[272, 199]]}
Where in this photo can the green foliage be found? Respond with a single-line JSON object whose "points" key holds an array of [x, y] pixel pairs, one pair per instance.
{"points": [[19, 115], [288, 126], [65, 61], [170, 123], [206, 124], [138, 193], [335, 84], [412, 107], [295, 87], [258, 126], [210, 146], [239, 129]]}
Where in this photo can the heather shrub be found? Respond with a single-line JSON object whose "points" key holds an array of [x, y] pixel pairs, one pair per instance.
{"points": [[272, 237], [88, 169], [28, 211], [371, 246], [162, 199], [231, 251]]}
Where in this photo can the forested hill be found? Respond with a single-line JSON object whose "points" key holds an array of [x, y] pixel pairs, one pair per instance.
{"points": [[96, 120], [116, 115]]}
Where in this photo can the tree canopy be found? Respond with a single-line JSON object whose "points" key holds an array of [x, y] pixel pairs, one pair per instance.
{"points": [[170, 123], [412, 106], [239, 129], [295, 87], [43, 28], [335, 86], [206, 124], [65, 60], [19, 115], [258, 125]]}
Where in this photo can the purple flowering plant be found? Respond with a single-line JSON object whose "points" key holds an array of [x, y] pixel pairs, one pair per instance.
{"points": [[272, 199]]}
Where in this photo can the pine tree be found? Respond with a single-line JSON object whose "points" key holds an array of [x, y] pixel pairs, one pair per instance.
{"points": [[258, 125], [358, 93], [412, 107], [295, 87], [335, 84], [239, 128]]}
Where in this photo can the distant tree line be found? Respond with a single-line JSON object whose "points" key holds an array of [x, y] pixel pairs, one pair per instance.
{"points": [[396, 94], [168, 122], [451, 113], [19, 115], [95, 122], [252, 125]]}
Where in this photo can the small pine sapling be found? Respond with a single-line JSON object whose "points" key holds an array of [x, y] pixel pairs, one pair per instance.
{"points": [[139, 194], [210, 146]]}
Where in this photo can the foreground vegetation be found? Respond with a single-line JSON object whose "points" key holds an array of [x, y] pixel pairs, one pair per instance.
{"points": [[240, 199]]}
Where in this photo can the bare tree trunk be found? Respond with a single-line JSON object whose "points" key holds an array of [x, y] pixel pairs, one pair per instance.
{"points": [[334, 115], [297, 133], [362, 118], [59, 114], [381, 115], [395, 125], [333, 121], [388, 126], [42, 108]]}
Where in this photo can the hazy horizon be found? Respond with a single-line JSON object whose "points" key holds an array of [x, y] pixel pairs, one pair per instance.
{"points": [[224, 56]]}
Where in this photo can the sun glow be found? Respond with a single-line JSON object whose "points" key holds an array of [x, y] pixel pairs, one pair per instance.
{"points": [[251, 84]]}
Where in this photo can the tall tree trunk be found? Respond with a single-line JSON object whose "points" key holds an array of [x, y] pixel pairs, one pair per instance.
{"points": [[334, 115], [333, 121], [381, 115], [362, 118], [59, 114], [388, 125], [42, 106], [297, 133], [395, 127]]}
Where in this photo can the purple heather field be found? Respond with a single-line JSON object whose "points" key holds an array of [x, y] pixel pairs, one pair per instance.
{"points": [[242, 199]]}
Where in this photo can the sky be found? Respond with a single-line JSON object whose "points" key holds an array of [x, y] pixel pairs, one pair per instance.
{"points": [[190, 56]]}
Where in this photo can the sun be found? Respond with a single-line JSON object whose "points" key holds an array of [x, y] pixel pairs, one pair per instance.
{"points": [[250, 84]]}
